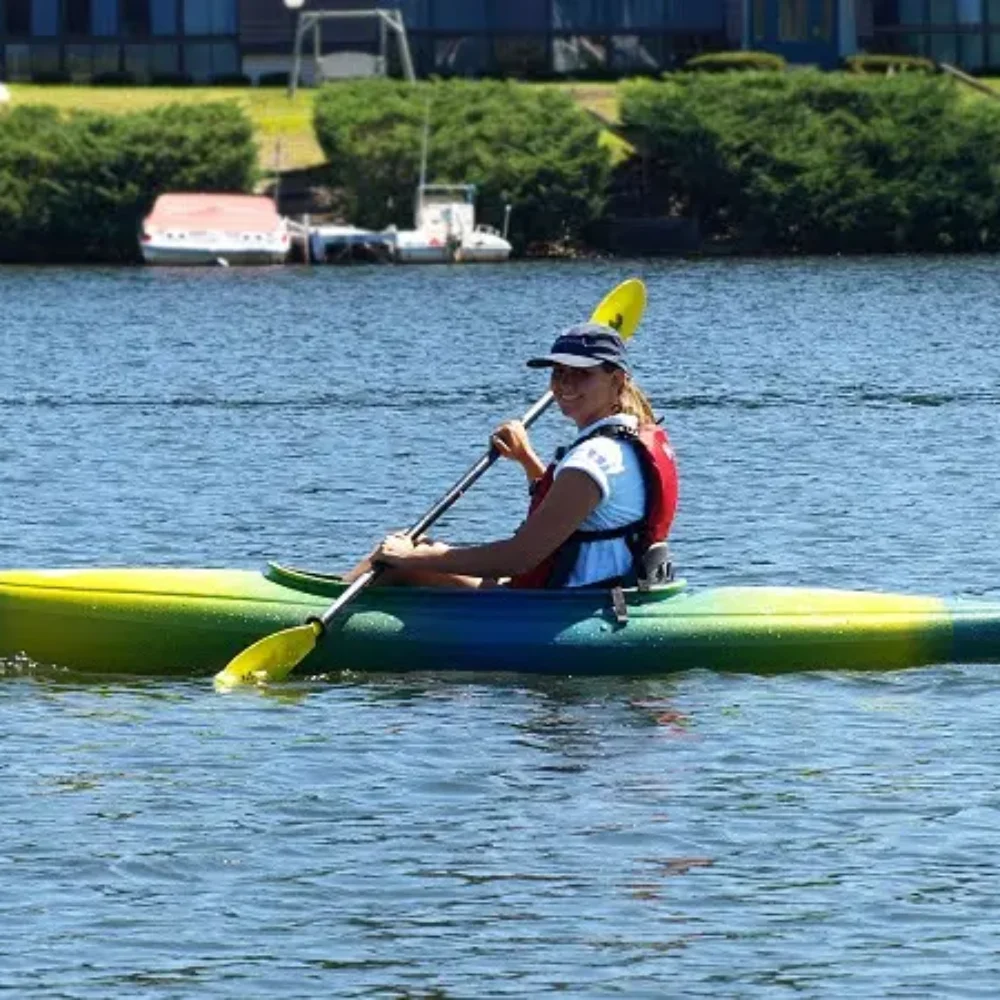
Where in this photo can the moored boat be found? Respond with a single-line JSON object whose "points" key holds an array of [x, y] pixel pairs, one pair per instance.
{"points": [[446, 229], [220, 229], [159, 622]]}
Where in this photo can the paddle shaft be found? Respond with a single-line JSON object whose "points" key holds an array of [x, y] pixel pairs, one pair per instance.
{"points": [[445, 503]]}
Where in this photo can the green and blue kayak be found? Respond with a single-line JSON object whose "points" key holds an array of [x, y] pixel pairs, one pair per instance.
{"points": [[159, 622]]}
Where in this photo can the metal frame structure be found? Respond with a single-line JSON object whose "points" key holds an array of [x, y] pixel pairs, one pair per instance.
{"points": [[389, 20]]}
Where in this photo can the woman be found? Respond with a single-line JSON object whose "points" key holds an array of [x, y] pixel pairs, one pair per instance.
{"points": [[594, 512]]}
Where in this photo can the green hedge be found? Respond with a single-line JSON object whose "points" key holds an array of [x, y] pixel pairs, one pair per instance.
{"points": [[822, 163], [723, 62], [77, 188], [530, 146], [888, 64]]}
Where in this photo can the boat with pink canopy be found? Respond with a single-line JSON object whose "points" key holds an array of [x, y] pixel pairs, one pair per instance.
{"points": [[220, 229]]}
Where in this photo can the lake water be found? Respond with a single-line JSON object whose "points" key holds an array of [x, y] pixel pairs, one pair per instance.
{"points": [[817, 834]]}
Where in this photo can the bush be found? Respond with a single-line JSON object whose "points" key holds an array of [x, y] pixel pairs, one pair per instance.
{"points": [[273, 79], [114, 78], [887, 64], [231, 80], [50, 76], [76, 189], [823, 163], [171, 80], [724, 62], [530, 146]]}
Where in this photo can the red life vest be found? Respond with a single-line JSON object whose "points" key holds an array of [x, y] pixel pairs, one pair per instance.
{"points": [[659, 476]]}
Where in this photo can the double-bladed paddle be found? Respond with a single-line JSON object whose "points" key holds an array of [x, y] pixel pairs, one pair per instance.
{"points": [[275, 656]]}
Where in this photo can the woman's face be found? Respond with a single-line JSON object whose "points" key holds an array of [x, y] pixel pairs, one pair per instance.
{"points": [[586, 394]]}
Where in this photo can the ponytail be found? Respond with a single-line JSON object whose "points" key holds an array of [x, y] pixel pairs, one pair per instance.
{"points": [[633, 401]]}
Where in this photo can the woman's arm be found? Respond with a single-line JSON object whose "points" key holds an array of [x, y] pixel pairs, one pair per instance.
{"points": [[572, 497]]}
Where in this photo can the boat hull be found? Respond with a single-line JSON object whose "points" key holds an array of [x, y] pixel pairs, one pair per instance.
{"points": [[178, 255], [159, 622]]}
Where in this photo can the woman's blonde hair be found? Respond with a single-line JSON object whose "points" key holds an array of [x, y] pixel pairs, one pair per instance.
{"points": [[632, 400]]}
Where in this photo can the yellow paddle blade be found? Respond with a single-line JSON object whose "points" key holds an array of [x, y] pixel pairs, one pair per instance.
{"points": [[272, 658], [622, 307]]}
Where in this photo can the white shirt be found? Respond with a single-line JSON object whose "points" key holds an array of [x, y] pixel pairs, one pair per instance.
{"points": [[614, 466]]}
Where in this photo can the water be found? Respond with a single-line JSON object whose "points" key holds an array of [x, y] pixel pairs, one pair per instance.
{"points": [[828, 835]]}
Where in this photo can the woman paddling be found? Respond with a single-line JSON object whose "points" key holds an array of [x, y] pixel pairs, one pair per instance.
{"points": [[597, 513]]}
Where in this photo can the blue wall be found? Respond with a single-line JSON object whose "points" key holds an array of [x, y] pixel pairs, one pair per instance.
{"points": [[585, 16]]}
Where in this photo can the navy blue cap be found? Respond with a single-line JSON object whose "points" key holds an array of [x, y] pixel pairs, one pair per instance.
{"points": [[585, 345]]}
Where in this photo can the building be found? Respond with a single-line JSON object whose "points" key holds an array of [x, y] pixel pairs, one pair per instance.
{"points": [[212, 39]]}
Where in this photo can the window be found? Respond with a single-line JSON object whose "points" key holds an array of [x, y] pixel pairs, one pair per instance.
{"points": [[79, 62], [759, 20], [205, 60], [885, 13], [163, 18], [17, 62], [825, 26], [138, 62], [460, 56], [637, 53], [944, 48], [135, 19], [579, 53], [793, 21], [969, 12], [104, 17], [942, 11], [993, 11], [459, 15], [209, 17], [578, 15], [44, 59], [44, 23], [198, 60], [86, 61], [78, 18], [520, 55], [19, 22], [225, 59], [166, 59], [911, 12], [971, 51]]}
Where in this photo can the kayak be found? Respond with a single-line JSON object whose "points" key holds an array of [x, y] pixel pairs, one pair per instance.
{"points": [[191, 622]]}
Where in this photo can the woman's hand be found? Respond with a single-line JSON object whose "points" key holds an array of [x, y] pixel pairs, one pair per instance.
{"points": [[393, 550], [511, 441], [399, 548]]}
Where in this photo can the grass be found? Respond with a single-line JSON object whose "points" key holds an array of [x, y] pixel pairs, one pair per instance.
{"points": [[285, 138]]}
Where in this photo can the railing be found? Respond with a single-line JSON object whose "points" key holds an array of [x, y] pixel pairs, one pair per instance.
{"points": [[969, 81]]}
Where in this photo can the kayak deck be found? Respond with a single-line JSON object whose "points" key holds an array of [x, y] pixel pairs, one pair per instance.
{"points": [[193, 621]]}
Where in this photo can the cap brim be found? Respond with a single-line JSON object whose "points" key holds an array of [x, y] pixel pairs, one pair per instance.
{"points": [[569, 360]]}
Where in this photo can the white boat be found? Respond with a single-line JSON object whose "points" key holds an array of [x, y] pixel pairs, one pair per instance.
{"points": [[220, 229], [484, 245], [445, 229]]}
